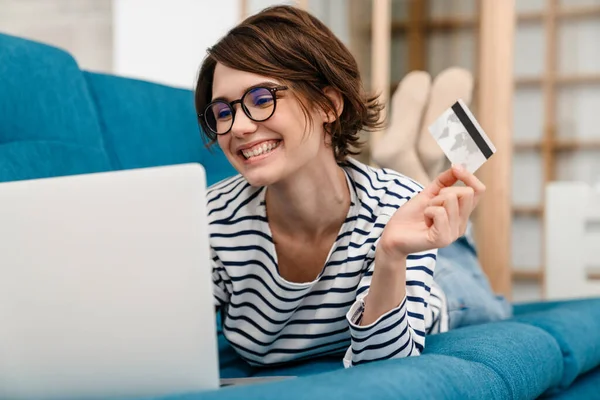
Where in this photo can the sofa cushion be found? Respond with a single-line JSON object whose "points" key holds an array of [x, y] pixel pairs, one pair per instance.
{"points": [[146, 124], [426, 377], [528, 308], [576, 328], [43, 159], [586, 386], [44, 101], [527, 358]]}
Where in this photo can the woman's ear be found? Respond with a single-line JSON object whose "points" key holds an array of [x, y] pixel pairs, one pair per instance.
{"points": [[338, 102]]}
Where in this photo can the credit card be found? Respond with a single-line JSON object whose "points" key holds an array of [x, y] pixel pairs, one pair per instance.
{"points": [[461, 138]]}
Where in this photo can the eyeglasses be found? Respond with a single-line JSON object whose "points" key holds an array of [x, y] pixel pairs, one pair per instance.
{"points": [[258, 103]]}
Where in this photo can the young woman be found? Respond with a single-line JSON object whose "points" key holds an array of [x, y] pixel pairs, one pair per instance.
{"points": [[313, 252]]}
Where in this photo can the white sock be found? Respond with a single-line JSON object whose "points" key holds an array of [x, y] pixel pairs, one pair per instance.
{"points": [[397, 148], [450, 85]]}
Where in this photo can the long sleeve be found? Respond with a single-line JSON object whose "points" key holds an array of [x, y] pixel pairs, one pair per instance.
{"points": [[401, 331], [221, 281]]}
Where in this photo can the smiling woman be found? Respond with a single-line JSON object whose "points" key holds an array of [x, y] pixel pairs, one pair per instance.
{"points": [[313, 252]]}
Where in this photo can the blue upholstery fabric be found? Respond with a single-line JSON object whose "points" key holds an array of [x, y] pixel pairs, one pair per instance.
{"points": [[41, 159], [48, 124], [528, 308], [147, 124], [585, 387], [426, 377], [527, 359], [525, 362], [576, 328]]}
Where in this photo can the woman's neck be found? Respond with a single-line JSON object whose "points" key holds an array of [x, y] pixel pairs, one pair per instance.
{"points": [[310, 204]]}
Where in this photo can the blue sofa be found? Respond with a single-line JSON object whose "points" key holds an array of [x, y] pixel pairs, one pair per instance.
{"points": [[56, 119]]}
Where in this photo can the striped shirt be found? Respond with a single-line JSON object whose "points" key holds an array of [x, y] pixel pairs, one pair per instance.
{"points": [[269, 320]]}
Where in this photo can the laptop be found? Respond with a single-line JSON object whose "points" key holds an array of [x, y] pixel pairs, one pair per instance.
{"points": [[105, 286]]}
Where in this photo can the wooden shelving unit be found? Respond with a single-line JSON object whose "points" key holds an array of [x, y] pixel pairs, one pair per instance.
{"points": [[550, 144], [416, 31], [462, 22], [490, 62]]}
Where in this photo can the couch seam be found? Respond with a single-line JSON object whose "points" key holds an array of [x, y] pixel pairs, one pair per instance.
{"points": [[113, 157]]}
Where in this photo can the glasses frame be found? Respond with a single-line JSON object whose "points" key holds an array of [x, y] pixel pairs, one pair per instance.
{"points": [[273, 90]]}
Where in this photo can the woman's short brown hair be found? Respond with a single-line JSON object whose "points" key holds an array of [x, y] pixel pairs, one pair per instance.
{"points": [[291, 45]]}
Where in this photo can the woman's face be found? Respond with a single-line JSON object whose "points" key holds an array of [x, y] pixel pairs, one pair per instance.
{"points": [[268, 152]]}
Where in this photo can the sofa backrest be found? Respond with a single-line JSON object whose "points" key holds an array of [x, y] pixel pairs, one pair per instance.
{"points": [[48, 124], [146, 124], [58, 120]]}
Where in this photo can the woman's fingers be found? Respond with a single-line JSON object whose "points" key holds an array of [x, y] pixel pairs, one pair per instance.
{"points": [[466, 203], [449, 201], [440, 227], [471, 181], [448, 178], [445, 179]]}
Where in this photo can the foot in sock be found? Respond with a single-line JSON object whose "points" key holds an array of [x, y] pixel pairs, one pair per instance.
{"points": [[450, 85], [397, 148]]}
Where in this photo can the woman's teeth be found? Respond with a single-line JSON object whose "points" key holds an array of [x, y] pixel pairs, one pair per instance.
{"points": [[260, 149]]}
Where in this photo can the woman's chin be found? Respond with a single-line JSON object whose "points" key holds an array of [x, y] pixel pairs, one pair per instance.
{"points": [[262, 177], [262, 170]]}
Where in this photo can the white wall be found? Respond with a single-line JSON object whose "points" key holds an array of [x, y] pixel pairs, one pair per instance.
{"points": [[255, 6], [82, 27], [162, 41], [165, 40]]}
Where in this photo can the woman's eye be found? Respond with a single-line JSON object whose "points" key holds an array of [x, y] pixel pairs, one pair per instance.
{"points": [[223, 114], [263, 101]]}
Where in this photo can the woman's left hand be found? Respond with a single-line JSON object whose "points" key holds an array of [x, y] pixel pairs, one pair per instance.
{"points": [[434, 218]]}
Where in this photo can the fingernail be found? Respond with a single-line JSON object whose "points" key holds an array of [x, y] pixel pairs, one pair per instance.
{"points": [[458, 167]]}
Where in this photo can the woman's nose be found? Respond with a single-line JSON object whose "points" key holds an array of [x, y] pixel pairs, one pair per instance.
{"points": [[242, 125]]}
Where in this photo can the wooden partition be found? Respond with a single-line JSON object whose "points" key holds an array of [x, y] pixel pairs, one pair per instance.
{"points": [[494, 89], [380, 54], [493, 218], [562, 29]]}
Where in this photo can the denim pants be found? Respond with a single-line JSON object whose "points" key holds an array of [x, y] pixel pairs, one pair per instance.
{"points": [[468, 292]]}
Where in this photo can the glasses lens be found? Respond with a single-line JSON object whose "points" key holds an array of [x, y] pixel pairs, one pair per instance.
{"points": [[219, 117], [259, 103]]}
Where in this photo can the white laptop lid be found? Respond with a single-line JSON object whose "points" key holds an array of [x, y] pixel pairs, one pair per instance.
{"points": [[105, 287]]}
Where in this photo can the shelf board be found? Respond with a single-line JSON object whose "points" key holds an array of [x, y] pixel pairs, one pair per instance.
{"points": [[565, 13], [528, 210], [460, 22], [527, 145], [569, 79], [530, 16], [579, 12], [528, 81], [572, 79], [528, 274], [593, 274], [577, 144], [457, 22], [437, 24], [398, 26], [559, 144], [537, 275]]}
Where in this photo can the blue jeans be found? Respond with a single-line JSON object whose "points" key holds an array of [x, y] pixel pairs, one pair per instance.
{"points": [[468, 292]]}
